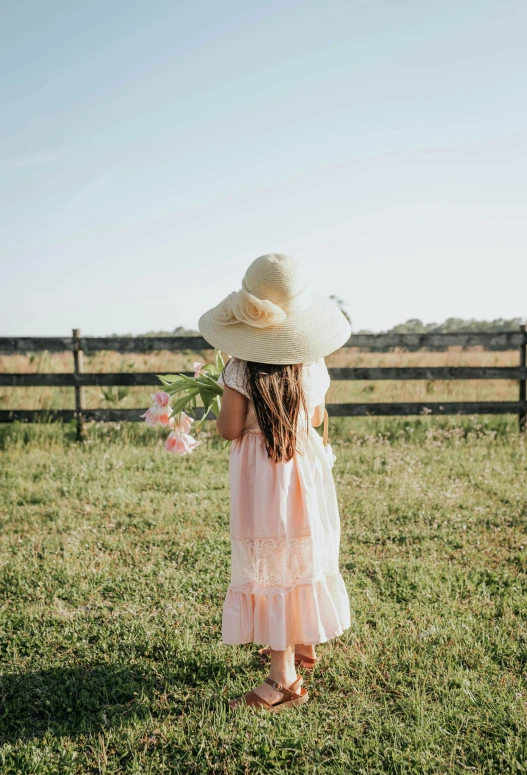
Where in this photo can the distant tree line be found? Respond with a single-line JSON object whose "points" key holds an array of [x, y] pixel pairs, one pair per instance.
{"points": [[450, 325], [178, 331], [416, 326], [412, 326]]}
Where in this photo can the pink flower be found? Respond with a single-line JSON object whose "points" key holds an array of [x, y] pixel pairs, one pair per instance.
{"points": [[185, 423], [164, 416], [181, 443], [198, 368], [160, 399], [157, 414], [160, 412]]}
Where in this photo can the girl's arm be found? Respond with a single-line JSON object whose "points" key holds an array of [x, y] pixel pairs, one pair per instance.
{"points": [[232, 414], [318, 415]]}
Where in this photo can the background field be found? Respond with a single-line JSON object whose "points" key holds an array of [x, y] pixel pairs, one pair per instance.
{"points": [[114, 562], [165, 362]]}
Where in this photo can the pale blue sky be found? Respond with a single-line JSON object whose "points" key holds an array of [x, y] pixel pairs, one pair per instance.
{"points": [[150, 151]]}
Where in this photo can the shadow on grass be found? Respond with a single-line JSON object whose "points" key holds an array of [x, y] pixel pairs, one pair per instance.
{"points": [[71, 701]]}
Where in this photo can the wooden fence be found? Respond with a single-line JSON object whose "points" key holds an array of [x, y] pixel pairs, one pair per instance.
{"points": [[78, 380]]}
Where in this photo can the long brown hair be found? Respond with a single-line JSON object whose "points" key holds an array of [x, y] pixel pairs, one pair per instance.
{"points": [[278, 397]]}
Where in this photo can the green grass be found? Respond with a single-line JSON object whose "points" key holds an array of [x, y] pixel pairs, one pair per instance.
{"points": [[114, 562]]}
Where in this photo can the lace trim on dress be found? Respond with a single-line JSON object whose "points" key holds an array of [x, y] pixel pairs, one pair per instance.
{"points": [[283, 562], [262, 532], [252, 588]]}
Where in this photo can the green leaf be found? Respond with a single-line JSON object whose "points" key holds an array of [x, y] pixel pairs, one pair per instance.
{"points": [[190, 381], [219, 360], [172, 391], [169, 379], [211, 402], [176, 383], [207, 399], [207, 381], [182, 403]]}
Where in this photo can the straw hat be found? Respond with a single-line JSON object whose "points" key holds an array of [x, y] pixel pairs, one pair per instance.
{"points": [[275, 318]]}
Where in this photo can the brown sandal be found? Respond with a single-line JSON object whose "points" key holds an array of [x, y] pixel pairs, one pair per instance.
{"points": [[294, 695], [300, 660], [308, 662]]}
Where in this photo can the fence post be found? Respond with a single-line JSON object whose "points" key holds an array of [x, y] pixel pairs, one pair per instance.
{"points": [[522, 417], [80, 406]]}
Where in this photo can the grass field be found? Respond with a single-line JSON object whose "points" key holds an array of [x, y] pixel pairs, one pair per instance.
{"points": [[114, 562]]}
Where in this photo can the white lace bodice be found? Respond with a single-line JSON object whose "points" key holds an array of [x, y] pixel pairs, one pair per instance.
{"points": [[315, 384]]}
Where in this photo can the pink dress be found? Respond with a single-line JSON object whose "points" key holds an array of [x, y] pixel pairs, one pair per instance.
{"points": [[285, 585]]}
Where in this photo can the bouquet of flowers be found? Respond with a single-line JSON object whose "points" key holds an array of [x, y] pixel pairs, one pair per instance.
{"points": [[182, 414]]}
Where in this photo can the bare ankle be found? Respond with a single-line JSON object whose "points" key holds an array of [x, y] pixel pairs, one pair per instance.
{"points": [[284, 677], [306, 650]]}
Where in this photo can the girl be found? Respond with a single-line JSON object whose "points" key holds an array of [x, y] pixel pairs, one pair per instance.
{"points": [[286, 589]]}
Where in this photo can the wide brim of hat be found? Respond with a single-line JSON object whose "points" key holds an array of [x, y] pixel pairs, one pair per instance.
{"points": [[303, 336]]}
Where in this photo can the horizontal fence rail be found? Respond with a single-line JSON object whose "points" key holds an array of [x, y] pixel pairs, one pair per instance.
{"points": [[78, 380], [503, 340], [357, 374], [334, 410]]}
